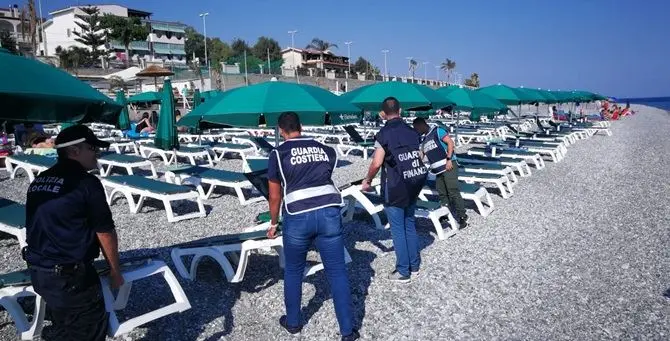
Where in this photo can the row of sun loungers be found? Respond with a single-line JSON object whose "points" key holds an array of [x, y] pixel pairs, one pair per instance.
{"points": [[494, 164]]}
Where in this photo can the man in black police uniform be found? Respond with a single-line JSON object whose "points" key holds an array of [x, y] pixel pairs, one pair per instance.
{"points": [[438, 147], [310, 214], [67, 222], [403, 177]]}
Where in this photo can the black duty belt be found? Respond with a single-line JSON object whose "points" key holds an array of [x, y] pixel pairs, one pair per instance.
{"points": [[60, 269]]}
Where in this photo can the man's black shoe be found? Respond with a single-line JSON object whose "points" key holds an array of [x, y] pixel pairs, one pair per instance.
{"points": [[463, 222], [352, 337], [292, 330]]}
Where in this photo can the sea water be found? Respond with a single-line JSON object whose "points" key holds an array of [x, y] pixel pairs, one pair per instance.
{"points": [[657, 102]]}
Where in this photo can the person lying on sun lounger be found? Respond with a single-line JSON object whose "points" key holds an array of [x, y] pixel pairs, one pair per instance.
{"points": [[41, 145]]}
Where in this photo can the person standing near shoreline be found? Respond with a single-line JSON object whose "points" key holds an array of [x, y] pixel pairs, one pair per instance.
{"points": [[303, 168], [403, 176]]}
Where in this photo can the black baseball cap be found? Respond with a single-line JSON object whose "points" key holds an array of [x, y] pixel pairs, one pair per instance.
{"points": [[77, 134]]}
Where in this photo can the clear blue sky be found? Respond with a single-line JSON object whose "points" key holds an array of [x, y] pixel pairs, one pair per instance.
{"points": [[615, 47]]}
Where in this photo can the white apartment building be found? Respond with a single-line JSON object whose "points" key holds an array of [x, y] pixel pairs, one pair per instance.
{"points": [[164, 44]]}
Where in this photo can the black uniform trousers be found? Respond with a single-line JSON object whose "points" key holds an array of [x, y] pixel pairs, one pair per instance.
{"points": [[448, 191], [74, 299]]}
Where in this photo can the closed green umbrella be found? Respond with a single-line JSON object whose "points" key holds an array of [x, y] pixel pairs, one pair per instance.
{"points": [[32, 91], [166, 133], [410, 96], [148, 97], [197, 99], [124, 118], [243, 107]]}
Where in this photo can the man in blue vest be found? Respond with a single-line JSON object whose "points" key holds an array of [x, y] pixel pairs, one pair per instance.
{"points": [[68, 221], [403, 177], [438, 147], [300, 172]]}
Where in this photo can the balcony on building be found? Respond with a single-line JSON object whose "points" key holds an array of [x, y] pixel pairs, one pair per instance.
{"points": [[167, 32], [168, 53]]}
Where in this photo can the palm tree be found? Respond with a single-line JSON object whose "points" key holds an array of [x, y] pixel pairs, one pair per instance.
{"points": [[320, 45], [412, 66], [447, 66], [474, 78]]}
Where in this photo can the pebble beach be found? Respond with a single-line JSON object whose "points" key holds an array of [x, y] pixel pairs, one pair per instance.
{"points": [[580, 251]]}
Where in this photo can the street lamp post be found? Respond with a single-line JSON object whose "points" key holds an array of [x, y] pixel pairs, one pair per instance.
{"points": [[425, 71], [386, 71], [348, 43], [409, 68], [204, 31], [44, 36], [292, 33], [437, 73]]}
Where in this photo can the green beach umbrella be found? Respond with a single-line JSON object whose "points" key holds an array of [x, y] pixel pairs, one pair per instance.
{"points": [[197, 99], [506, 94], [166, 133], [149, 97], [562, 96], [469, 100], [32, 91], [124, 118], [410, 96], [243, 107], [549, 96], [538, 96]]}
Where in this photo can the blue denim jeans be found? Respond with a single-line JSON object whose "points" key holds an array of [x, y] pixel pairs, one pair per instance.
{"points": [[324, 228], [405, 241]]}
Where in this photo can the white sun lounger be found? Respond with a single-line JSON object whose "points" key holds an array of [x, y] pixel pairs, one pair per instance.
{"points": [[232, 253], [30, 164], [489, 169], [502, 182], [243, 150], [519, 165], [373, 204], [213, 178], [537, 160], [131, 185], [16, 285], [170, 156], [122, 146], [13, 220], [475, 193], [109, 160]]}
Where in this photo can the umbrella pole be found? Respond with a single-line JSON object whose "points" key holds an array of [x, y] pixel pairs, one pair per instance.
{"points": [[277, 136], [458, 116]]}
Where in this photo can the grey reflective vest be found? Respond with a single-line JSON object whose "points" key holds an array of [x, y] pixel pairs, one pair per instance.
{"points": [[434, 151]]}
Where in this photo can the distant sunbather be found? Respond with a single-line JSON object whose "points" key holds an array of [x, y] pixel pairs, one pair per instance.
{"points": [[144, 125]]}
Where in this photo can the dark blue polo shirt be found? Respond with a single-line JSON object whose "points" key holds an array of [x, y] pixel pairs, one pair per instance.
{"points": [[65, 208]]}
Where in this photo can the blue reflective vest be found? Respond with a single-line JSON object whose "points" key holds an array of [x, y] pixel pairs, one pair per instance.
{"points": [[435, 152], [306, 167], [403, 171]]}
